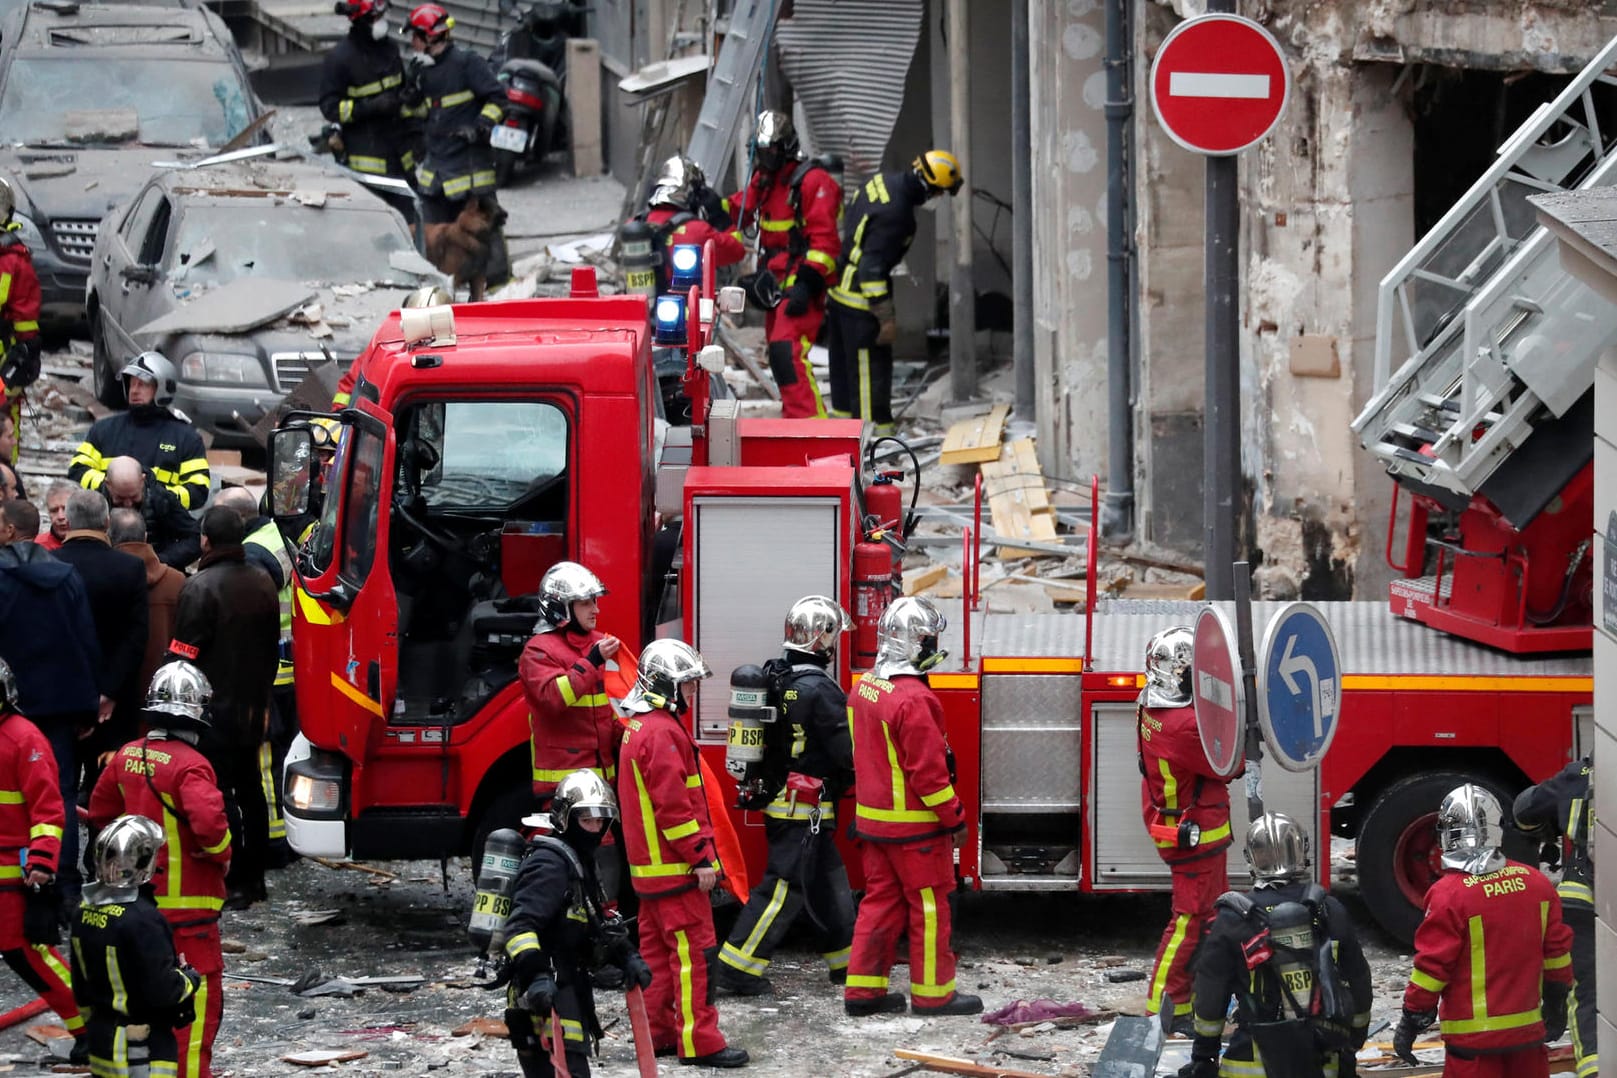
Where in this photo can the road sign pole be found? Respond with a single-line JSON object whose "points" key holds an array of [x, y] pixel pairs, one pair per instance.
{"points": [[1221, 431], [1249, 677]]}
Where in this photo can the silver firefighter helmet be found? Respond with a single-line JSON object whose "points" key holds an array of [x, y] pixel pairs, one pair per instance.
{"points": [[8, 687], [582, 794], [182, 690], [1470, 830], [680, 176], [907, 637], [665, 665], [125, 855], [154, 367], [814, 624], [564, 584], [1277, 849], [1167, 667]]}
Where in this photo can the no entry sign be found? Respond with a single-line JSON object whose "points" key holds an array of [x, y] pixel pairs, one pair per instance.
{"points": [[1219, 84], [1217, 692]]}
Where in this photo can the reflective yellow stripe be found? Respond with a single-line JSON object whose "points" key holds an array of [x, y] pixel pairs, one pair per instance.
{"points": [[266, 780], [1240, 1068], [194, 1034], [460, 97], [897, 771], [1421, 979], [838, 959], [345, 111], [10, 872], [220, 846], [115, 977], [848, 299], [572, 699], [458, 186], [314, 613], [860, 980], [823, 260], [370, 89], [745, 957], [5, 284], [355, 695], [687, 995], [674, 834], [942, 796], [1170, 785], [522, 941], [781, 809], [869, 812], [1206, 1028], [491, 111], [1558, 963], [1217, 834], [545, 774], [1159, 978], [1468, 683], [929, 945], [665, 868], [373, 166], [776, 224], [1574, 818], [27, 325], [693, 782], [881, 188], [1490, 1024], [1575, 892], [189, 467], [10, 797], [1479, 971]]}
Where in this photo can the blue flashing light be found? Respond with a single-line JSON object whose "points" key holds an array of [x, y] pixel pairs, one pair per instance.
{"points": [[668, 320], [685, 267]]}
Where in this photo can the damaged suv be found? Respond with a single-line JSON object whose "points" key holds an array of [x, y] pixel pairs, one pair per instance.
{"points": [[92, 101], [246, 275]]}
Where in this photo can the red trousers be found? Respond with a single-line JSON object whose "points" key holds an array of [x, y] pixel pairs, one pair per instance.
{"points": [[41, 968], [789, 342], [906, 885], [198, 946], [677, 942], [1196, 886], [1530, 1062]]}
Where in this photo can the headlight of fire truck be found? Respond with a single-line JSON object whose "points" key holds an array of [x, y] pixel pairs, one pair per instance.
{"points": [[314, 785]]}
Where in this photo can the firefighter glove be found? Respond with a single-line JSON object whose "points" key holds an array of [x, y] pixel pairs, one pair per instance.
{"points": [[20, 368], [527, 966], [1409, 1026], [540, 996], [709, 206], [185, 1011], [886, 320], [42, 904], [1199, 1068], [806, 288], [636, 973], [1555, 1011], [595, 656]]}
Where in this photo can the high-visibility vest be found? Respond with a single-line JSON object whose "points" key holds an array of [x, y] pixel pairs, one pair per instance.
{"points": [[268, 536]]}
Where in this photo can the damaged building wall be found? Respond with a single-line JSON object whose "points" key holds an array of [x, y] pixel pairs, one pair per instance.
{"points": [[1328, 209], [1066, 71]]}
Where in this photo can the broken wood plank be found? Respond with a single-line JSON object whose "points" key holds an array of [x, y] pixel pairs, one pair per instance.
{"points": [[976, 440], [917, 581], [324, 1057], [357, 866], [953, 1065], [1008, 505], [44, 1034], [487, 1027], [1020, 459]]}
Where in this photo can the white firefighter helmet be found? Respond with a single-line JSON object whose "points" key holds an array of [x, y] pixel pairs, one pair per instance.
{"points": [[1277, 849], [1167, 667], [665, 665], [582, 794], [907, 637], [564, 584], [182, 690], [814, 624], [679, 177], [1470, 830], [126, 853], [155, 368]]}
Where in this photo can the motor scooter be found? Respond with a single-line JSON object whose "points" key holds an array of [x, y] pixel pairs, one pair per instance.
{"points": [[531, 63]]}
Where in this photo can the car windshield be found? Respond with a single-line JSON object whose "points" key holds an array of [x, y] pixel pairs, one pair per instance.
{"points": [[270, 238], [89, 100]]}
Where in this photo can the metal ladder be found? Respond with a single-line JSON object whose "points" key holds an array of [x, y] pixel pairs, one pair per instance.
{"points": [[730, 86], [1492, 338]]}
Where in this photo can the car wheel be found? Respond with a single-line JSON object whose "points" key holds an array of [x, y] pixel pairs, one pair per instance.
{"points": [[105, 381], [1398, 853]]}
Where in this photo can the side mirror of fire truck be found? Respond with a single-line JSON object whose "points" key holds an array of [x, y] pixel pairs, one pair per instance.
{"points": [[291, 470]]}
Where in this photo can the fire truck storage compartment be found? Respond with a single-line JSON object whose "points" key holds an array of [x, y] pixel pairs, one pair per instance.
{"points": [[1123, 855], [1032, 780], [757, 540]]}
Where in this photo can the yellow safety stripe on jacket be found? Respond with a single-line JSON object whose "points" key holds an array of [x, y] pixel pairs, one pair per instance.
{"points": [[522, 941], [10, 872], [571, 1030], [1421, 979], [371, 89], [683, 830], [648, 825], [823, 260], [414, 112], [693, 781], [345, 111], [192, 475], [5, 284], [449, 101], [341, 399], [115, 979], [27, 325], [89, 456], [1481, 1021], [895, 814], [175, 898], [572, 699], [776, 224], [933, 800], [11, 797], [45, 830], [491, 112]]}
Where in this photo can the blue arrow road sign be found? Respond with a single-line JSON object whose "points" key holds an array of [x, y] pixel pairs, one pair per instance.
{"points": [[1299, 687]]}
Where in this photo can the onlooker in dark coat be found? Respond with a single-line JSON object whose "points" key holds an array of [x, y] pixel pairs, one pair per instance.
{"points": [[171, 530], [48, 638], [116, 585], [228, 623], [126, 531]]}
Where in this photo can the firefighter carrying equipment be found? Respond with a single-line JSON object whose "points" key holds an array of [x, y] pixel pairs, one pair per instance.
{"points": [[1470, 830], [1289, 956], [362, 90], [1167, 667], [167, 446]]}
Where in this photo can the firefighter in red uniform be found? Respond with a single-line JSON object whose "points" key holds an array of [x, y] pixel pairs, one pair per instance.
{"points": [[683, 209], [163, 777], [30, 842], [563, 668], [1187, 814], [797, 206], [906, 812], [19, 312], [673, 859], [1499, 987]]}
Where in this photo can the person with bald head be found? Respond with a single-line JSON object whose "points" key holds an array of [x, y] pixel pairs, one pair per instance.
{"points": [[170, 529]]}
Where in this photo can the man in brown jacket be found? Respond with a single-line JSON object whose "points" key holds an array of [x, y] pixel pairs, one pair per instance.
{"points": [[126, 531], [229, 623]]}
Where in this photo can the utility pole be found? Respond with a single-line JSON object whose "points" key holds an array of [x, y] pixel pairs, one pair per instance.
{"points": [[1022, 221], [962, 290]]}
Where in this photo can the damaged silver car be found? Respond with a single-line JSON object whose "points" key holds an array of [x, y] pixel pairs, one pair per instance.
{"points": [[247, 275]]}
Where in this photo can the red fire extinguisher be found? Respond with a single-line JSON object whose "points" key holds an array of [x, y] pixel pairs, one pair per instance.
{"points": [[884, 502], [872, 591]]}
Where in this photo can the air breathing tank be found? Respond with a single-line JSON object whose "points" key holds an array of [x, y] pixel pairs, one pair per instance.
{"points": [[635, 254], [496, 879], [1291, 927]]}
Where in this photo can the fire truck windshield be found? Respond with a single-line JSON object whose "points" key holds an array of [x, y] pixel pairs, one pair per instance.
{"points": [[490, 453]]}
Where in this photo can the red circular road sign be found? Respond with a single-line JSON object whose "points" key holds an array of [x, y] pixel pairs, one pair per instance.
{"points": [[1219, 84], [1217, 694]]}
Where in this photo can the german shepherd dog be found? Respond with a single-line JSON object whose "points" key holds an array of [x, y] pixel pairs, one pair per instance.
{"points": [[462, 248]]}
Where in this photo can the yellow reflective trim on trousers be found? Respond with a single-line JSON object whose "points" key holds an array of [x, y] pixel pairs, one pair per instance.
{"points": [[745, 957], [942, 796], [162, 1068], [191, 1063], [1588, 1062], [458, 186], [860, 980], [823, 260], [929, 943], [63, 974], [1159, 976], [838, 959], [845, 298], [686, 997], [679, 831], [1421, 979], [1209, 1027], [483, 177], [1492, 1023], [27, 325], [1241, 1068], [266, 777], [730, 956], [115, 978], [5, 285], [867, 395]]}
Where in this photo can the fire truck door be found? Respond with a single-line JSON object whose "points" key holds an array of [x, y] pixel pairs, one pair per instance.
{"points": [[371, 666]]}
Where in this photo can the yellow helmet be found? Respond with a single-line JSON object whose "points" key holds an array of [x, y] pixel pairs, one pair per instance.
{"points": [[325, 432], [939, 170]]}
